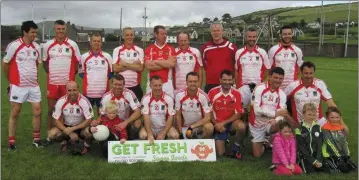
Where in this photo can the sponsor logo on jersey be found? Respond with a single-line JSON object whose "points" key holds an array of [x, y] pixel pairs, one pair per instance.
{"points": [[315, 93], [67, 50], [103, 62], [257, 58], [190, 57], [34, 53], [162, 107], [134, 54], [77, 110], [292, 54]]}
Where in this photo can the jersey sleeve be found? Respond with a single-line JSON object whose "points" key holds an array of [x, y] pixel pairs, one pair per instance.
{"points": [[148, 55], [82, 62], [283, 100], [199, 57], [238, 103], [206, 105], [289, 89], [172, 51], [170, 106], [10, 52], [325, 95], [300, 56], [145, 106], [236, 56], [132, 99], [141, 55], [58, 110], [178, 101], [45, 48], [266, 61], [115, 56], [110, 60], [271, 54], [256, 101], [86, 109], [77, 52], [104, 99]]}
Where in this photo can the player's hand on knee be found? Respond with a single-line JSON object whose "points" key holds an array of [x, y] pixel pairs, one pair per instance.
{"points": [[68, 130], [74, 136], [95, 123], [93, 129], [218, 127]]}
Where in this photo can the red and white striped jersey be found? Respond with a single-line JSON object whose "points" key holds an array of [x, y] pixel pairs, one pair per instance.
{"points": [[129, 55], [73, 113], [156, 53], [265, 104], [290, 59], [158, 109], [194, 108], [187, 61], [126, 102], [62, 58], [300, 95], [95, 68], [251, 65], [224, 106], [23, 61]]}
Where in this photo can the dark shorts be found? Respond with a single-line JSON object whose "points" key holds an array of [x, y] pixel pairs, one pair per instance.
{"points": [[94, 101], [223, 136], [138, 91], [208, 87]]}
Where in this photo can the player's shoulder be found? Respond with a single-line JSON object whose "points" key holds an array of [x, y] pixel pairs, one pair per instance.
{"points": [[318, 82], [151, 46], [180, 94], [146, 98], [118, 48], [167, 98], [137, 48], [83, 101], [275, 47], [49, 42], [215, 90], [294, 83], [208, 44], [85, 55], [235, 91], [36, 45], [129, 93], [71, 42], [194, 50], [240, 50], [231, 45], [296, 48], [261, 86], [62, 100], [107, 94], [106, 55], [260, 50], [15, 43], [202, 94]]}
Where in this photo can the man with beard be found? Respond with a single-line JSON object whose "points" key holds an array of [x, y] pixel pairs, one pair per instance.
{"points": [[128, 61], [308, 90], [268, 103], [73, 114], [20, 63], [60, 60], [193, 110], [287, 56], [226, 112], [217, 55], [251, 66]]}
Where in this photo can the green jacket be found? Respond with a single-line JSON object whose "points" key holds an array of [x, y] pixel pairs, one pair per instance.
{"points": [[335, 143], [309, 142]]}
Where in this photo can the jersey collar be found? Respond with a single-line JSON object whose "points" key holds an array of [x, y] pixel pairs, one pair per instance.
{"points": [[155, 43], [192, 97]]}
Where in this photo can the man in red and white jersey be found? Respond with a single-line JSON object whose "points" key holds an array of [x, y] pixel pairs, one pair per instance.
{"points": [[268, 103], [158, 112], [193, 110], [129, 106], [20, 68], [308, 90], [226, 113], [217, 54], [159, 60], [188, 59], [73, 114], [60, 60], [287, 56], [128, 61], [95, 69], [251, 66]]}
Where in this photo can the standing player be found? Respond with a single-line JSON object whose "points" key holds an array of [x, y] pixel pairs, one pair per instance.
{"points": [[20, 68], [227, 109], [72, 114], [217, 55], [193, 105], [251, 66], [61, 56], [128, 61], [128, 104], [95, 69], [268, 102], [287, 56], [158, 112], [308, 90], [188, 59], [159, 60]]}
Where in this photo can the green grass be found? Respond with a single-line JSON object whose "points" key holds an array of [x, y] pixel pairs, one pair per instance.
{"points": [[29, 163]]}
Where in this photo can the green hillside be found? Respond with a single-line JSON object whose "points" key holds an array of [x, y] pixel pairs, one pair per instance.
{"points": [[333, 13]]}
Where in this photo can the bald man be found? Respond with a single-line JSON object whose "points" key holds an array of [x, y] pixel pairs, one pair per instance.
{"points": [[72, 114]]}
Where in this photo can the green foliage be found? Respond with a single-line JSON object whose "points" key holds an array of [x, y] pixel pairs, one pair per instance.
{"points": [[9, 32], [111, 37]]}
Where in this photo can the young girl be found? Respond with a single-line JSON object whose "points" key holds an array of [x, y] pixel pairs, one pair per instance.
{"points": [[309, 140], [111, 120], [335, 147], [284, 151]]}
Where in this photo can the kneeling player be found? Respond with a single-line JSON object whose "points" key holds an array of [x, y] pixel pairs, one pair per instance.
{"points": [[72, 114], [227, 110], [193, 105], [158, 112], [268, 103]]}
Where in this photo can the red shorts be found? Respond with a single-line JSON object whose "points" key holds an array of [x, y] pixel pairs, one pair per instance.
{"points": [[55, 91]]}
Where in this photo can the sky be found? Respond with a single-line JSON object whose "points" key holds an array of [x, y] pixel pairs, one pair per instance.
{"points": [[106, 14]]}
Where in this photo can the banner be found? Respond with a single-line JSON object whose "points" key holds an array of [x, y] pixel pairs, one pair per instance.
{"points": [[161, 150]]}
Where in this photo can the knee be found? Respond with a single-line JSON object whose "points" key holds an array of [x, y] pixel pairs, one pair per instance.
{"points": [[241, 126], [15, 111], [74, 137], [86, 133], [208, 127], [143, 136], [138, 124], [37, 111], [173, 135], [53, 133]]}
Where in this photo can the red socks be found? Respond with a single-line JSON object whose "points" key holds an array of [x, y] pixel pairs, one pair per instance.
{"points": [[36, 135], [11, 140]]}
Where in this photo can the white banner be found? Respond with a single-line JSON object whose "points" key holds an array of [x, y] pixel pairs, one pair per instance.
{"points": [[162, 150]]}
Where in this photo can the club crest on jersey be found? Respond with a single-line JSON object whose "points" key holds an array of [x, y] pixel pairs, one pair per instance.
{"points": [[315, 93], [292, 54], [162, 107], [60, 50], [257, 58], [77, 110], [34, 53], [134, 54], [67, 50], [71, 110], [190, 57]]}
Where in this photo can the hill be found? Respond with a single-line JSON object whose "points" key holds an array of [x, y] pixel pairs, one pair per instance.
{"points": [[333, 13]]}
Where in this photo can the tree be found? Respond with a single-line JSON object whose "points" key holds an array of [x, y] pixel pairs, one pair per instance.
{"points": [[317, 20], [302, 23], [215, 19], [227, 18], [206, 20], [294, 24], [10, 33], [111, 37]]}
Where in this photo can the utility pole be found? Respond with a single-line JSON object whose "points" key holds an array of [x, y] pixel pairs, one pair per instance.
{"points": [[244, 32], [32, 10], [145, 39], [347, 36], [323, 31], [43, 29], [269, 34], [64, 11], [120, 28], [321, 26]]}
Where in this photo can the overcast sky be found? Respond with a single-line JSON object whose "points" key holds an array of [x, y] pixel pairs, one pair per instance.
{"points": [[106, 14]]}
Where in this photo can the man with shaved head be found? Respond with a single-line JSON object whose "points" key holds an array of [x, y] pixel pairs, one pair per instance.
{"points": [[72, 114]]}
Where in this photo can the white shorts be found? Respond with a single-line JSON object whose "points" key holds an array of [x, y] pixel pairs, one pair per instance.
{"points": [[246, 95], [166, 87], [22, 94], [259, 133]]}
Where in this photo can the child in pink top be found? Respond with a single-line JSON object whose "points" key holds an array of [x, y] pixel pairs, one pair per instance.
{"points": [[284, 151]]}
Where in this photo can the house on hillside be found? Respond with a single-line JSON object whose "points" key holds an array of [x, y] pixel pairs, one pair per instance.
{"points": [[238, 21], [236, 33], [171, 37], [313, 25], [117, 32], [228, 32], [193, 34], [84, 35]]}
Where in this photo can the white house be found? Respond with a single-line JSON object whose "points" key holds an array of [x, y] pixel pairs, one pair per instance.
{"points": [[314, 25], [193, 34], [171, 38]]}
